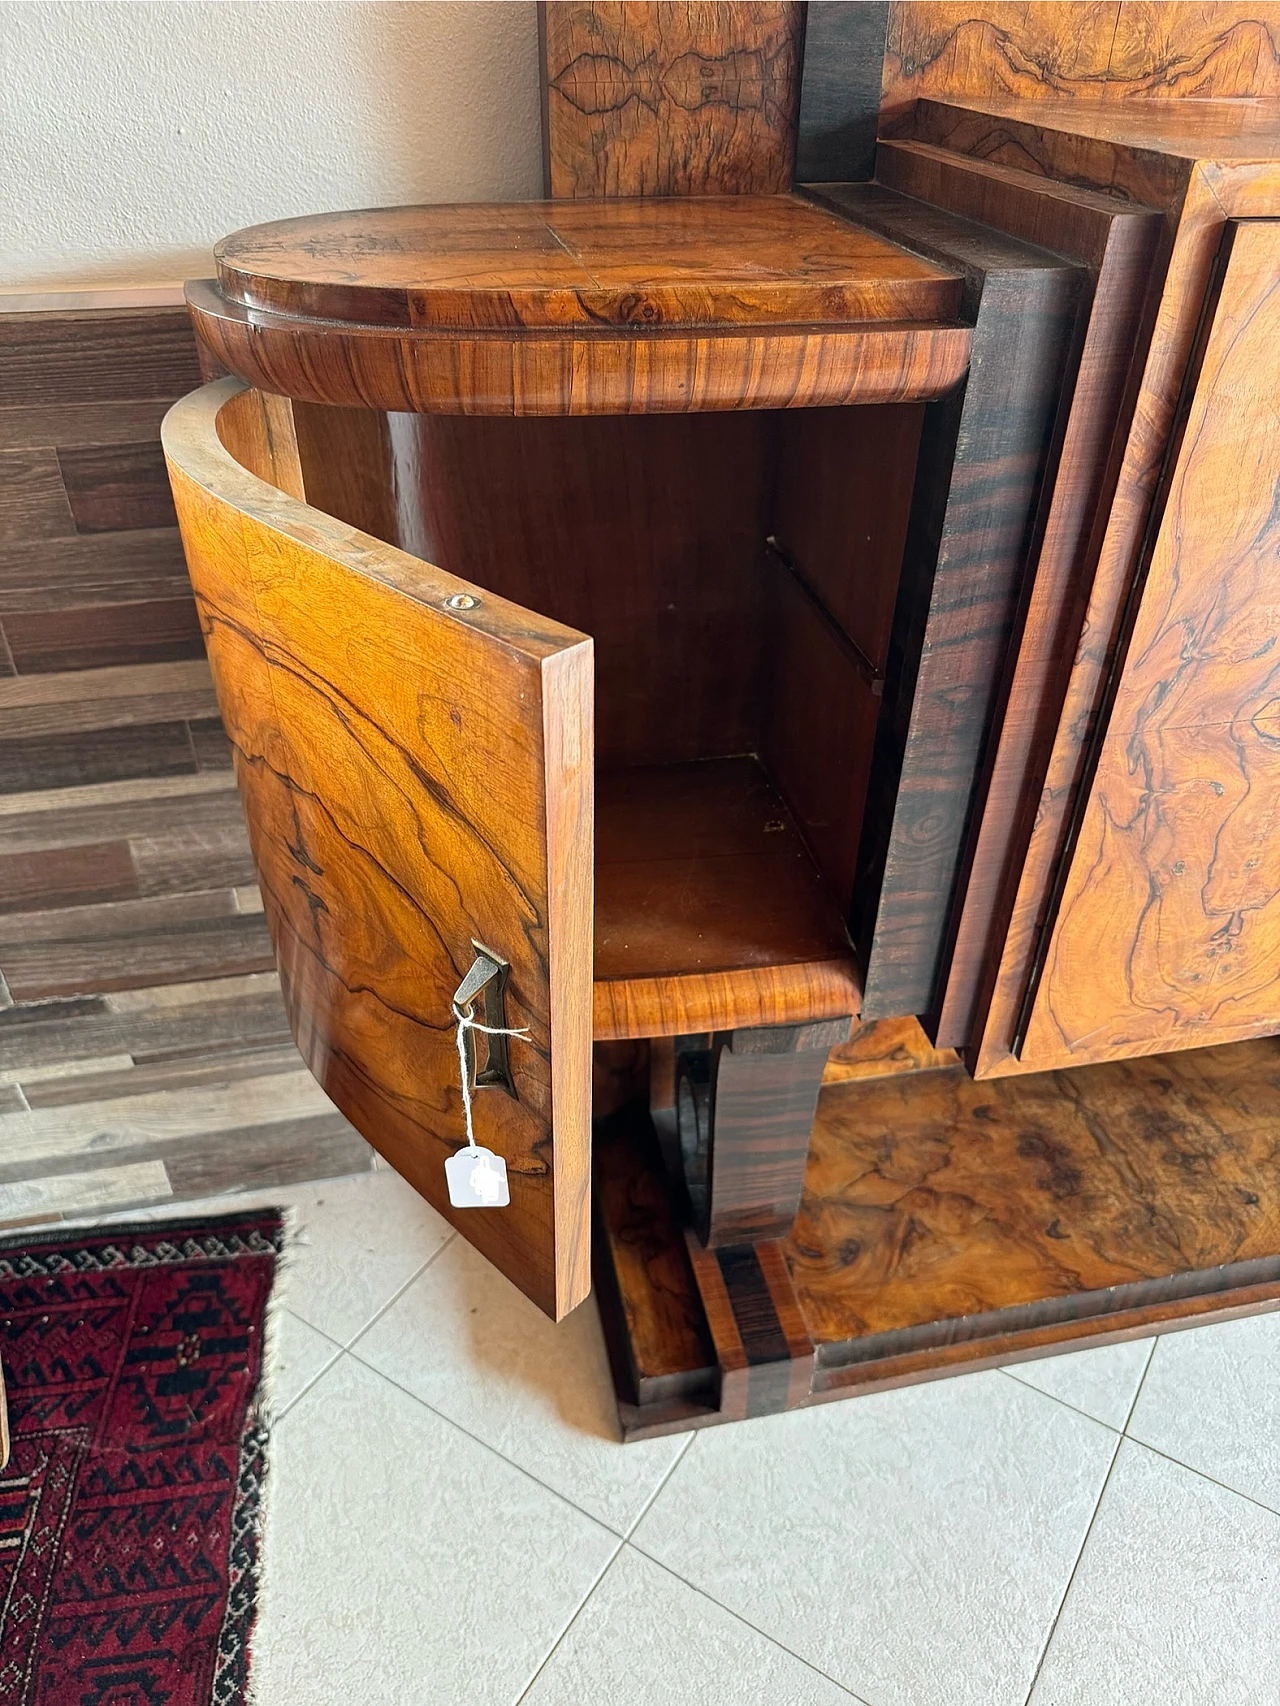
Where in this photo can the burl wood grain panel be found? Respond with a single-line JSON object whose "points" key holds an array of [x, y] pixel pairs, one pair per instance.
{"points": [[414, 777], [645, 99], [1102, 50], [1123, 247], [983, 456], [1168, 933], [943, 1219], [1203, 162]]}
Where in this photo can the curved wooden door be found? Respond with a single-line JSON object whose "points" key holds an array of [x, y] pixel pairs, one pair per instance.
{"points": [[417, 778]]}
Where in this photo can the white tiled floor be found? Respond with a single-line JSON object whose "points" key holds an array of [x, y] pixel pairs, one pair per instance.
{"points": [[451, 1522]]}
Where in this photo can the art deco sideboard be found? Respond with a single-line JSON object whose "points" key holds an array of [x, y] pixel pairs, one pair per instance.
{"points": [[690, 629]]}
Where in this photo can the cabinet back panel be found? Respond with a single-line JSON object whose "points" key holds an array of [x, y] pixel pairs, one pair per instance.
{"points": [[644, 532]]}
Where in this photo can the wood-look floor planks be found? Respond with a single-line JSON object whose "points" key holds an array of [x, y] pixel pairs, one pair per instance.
{"points": [[123, 853]]}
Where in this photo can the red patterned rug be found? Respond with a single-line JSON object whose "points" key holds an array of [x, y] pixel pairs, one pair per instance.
{"points": [[129, 1505]]}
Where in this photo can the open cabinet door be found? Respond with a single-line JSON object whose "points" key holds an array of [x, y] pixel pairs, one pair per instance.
{"points": [[414, 758]]}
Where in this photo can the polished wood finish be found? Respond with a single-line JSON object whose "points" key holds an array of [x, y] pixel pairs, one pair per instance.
{"points": [[700, 871], [1122, 245], [950, 1225], [1168, 933], [398, 809], [548, 266], [650, 99], [581, 308], [744, 1111], [983, 456], [940, 1213], [643, 532], [840, 91], [1099, 50], [878, 1048], [654, 1321], [1204, 163], [762, 1345], [709, 910], [578, 373]]}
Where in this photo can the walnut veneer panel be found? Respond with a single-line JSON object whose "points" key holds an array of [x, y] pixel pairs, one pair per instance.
{"points": [[414, 777], [742, 260], [940, 1212], [984, 454], [1145, 152], [644, 99], [1121, 245], [1168, 933], [582, 307], [1102, 50]]}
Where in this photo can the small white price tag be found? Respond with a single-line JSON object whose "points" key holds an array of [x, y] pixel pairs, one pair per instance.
{"points": [[477, 1178]]}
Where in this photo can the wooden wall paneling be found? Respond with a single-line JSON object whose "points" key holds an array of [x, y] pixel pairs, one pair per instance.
{"points": [[1099, 50], [91, 571], [1124, 247], [347, 779], [983, 458], [647, 99], [1166, 934], [840, 90]]}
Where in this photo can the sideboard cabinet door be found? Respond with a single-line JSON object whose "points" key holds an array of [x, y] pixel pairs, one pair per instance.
{"points": [[414, 758], [1168, 930]]}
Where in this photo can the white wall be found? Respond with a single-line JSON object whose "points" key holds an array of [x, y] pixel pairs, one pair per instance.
{"points": [[133, 135]]}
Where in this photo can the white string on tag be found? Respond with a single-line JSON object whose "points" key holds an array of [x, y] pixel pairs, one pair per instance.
{"points": [[467, 1023], [477, 1178]]}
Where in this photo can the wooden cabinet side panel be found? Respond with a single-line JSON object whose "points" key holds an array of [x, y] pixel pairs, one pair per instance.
{"points": [[411, 784], [1168, 934]]}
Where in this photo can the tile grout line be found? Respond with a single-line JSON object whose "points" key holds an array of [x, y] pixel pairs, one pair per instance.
{"points": [[1066, 1592], [319, 1375], [1200, 1474], [679, 1458], [1054, 1399], [349, 1344], [763, 1633], [1137, 1391], [572, 1619], [493, 1451]]}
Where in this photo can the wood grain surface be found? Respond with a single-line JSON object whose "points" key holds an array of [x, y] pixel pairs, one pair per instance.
{"points": [[398, 810], [941, 1215], [744, 1114], [743, 260], [581, 307], [1122, 246], [1102, 50], [654, 1322], [647, 99], [984, 454], [1148, 152], [710, 912], [578, 373], [1168, 934]]}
